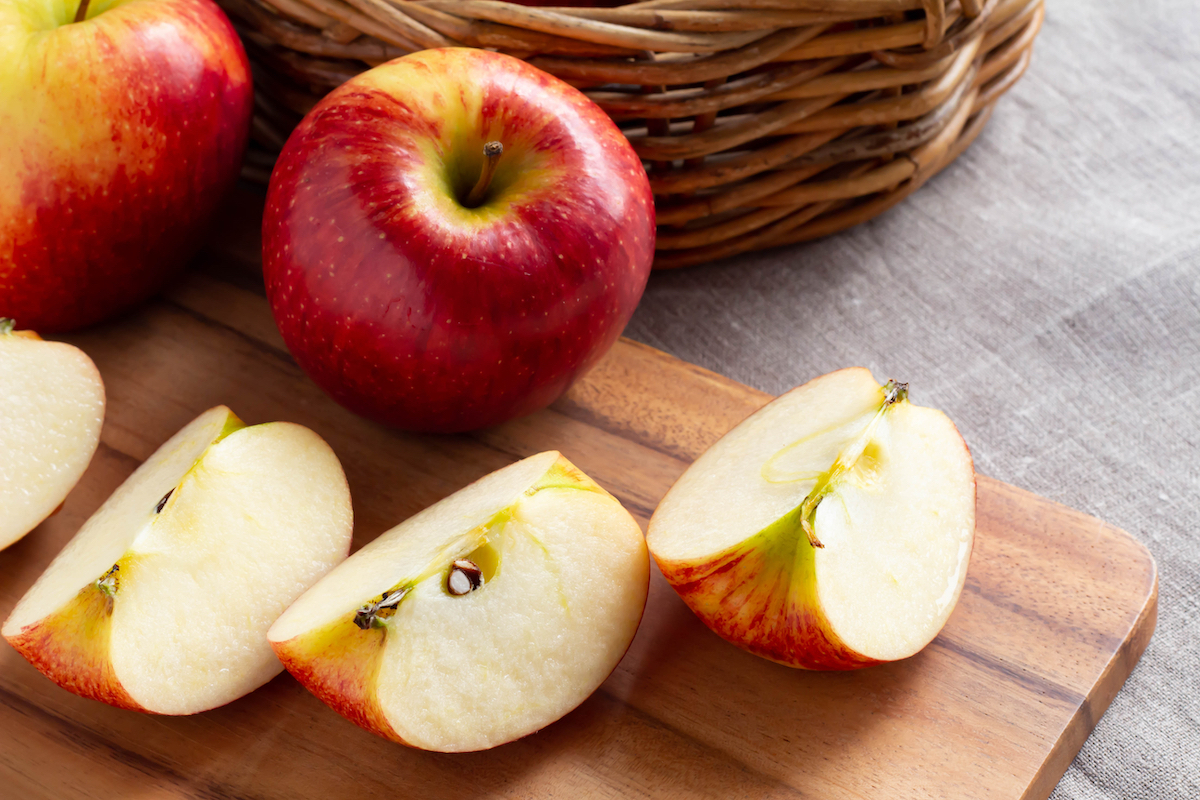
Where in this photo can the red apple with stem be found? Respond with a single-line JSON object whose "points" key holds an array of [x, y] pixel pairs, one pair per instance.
{"points": [[124, 123], [430, 285]]}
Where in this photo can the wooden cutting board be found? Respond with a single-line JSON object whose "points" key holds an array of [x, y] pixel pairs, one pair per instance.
{"points": [[1057, 609]]}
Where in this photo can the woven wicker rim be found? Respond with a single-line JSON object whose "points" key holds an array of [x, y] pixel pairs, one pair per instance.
{"points": [[761, 122]]}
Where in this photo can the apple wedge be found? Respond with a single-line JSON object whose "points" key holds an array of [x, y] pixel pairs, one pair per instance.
{"points": [[479, 620], [829, 530], [51, 413], [163, 599]]}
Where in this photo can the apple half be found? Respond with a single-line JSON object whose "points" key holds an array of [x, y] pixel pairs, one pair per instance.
{"points": [[163, 599], [481, 619], [829, 530], [51, 413]]}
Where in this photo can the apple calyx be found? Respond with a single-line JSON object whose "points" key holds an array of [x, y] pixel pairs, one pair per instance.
{"points": [[107, 586], [491, 156], [464, 577], [81, 12], [107, 583], [376, 613]]}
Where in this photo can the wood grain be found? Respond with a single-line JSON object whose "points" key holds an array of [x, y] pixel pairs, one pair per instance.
{"points": [[1057, 609]]}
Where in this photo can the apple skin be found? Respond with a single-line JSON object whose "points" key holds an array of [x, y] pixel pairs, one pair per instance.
{"points": [[415, 311], [70, 647], [123, 132], [339, 663], [761, 596]]}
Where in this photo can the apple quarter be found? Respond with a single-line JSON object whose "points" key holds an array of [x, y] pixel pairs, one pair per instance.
{"points": [[51, 413], [163, 599], [479, 620], [831, 529]]}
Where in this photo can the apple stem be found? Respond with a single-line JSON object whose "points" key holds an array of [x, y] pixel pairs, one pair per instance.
{"points": [[81, 12], [491, 156], [6, 326]]}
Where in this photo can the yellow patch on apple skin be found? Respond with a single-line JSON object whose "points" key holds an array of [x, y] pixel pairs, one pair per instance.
{"points": [[340, 665], [565, 475], [71, 646], [761, 595]]}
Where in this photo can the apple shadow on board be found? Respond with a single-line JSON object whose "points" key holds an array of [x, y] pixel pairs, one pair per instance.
{"points": [[784, 721]]}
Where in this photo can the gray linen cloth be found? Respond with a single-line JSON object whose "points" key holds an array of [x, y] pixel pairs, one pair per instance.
{"points": [[1044, 291]]}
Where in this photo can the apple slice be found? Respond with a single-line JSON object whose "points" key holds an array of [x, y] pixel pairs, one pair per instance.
{"points": [[829, 530], [163, 599], [481, 619], [51, 413]]}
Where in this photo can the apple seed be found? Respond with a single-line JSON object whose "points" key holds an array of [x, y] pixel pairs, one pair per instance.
{"points": [[464, 578], [162, 503]]}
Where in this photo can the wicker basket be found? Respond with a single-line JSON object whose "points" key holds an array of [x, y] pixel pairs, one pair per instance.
{"points": [[761, 122]]}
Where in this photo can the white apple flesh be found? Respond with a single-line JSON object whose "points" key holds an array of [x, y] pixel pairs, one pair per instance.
{"points": [[163, 599], [481, 619], [830, 530], [51, 413]]}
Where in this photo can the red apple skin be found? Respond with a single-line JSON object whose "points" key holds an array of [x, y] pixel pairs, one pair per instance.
{"points": [[123, 133], [70, 647], [746, 598], [419, 313], [340, 665]]}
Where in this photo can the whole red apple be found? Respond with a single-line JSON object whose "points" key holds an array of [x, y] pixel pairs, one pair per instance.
{"points": [[416, 304], [121, 133]]}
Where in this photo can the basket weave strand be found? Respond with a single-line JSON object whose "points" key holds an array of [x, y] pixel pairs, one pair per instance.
{"points": [[760, 122]]}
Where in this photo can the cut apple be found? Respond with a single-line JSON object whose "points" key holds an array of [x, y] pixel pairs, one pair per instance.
{"points": [[481, 619], [829, 530], [51, 413], [163, 599]]}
